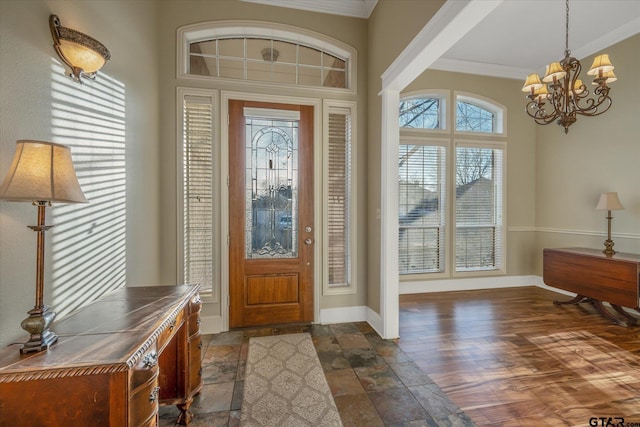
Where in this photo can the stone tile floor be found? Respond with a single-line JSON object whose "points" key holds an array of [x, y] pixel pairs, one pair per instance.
{"points": [[374, 383]]}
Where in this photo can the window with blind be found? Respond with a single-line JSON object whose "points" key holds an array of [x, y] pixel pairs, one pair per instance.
{"points": [[475, 193], [339, 123], [422, 202], [478, 207], [198, 213]]}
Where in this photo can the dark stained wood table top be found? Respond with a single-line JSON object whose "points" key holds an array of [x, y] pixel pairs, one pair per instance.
{"points": [[619, 256], [109, 334]]}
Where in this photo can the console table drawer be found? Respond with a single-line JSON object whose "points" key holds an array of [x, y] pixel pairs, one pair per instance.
{"points": [[143, 403], [174, 325], [195, 356]]}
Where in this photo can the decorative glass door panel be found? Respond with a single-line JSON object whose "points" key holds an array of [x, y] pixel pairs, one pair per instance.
{"points": [[271, 195]]}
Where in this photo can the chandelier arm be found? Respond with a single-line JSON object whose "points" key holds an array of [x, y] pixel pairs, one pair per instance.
{"points": [[595, 108], [538, 114]]}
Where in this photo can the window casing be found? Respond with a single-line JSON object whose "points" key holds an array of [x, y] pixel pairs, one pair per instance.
{"points": [[469, 213]]}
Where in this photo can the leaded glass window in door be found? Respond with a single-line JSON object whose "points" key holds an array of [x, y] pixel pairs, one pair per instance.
{"points": [[271, 193]]}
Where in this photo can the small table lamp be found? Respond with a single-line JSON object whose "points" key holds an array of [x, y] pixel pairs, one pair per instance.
{"points": [[41, 173], [609, 202]]}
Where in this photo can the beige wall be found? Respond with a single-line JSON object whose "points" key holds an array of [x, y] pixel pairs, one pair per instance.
{"points": [[352, 31], [33, 95], [599, 154]]}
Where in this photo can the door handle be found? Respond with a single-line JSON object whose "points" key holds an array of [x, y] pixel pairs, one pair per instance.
{"points": [[308, 241]]}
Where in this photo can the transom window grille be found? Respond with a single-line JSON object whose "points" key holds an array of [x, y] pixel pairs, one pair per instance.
{"points": [[267, 60], [421, 113], [473, 118]]}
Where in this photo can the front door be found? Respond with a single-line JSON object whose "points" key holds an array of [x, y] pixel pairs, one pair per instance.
{"points": [[270, 213]]}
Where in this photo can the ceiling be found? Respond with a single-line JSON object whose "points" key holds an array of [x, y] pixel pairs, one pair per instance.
{"points": [[520, 36]]}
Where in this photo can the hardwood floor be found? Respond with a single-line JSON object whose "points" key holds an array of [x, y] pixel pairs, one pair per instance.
{"points": [[510, 357]]}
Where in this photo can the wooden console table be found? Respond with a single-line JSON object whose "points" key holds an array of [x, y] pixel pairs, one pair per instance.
{"points": [[596, 278], [116, 360]]}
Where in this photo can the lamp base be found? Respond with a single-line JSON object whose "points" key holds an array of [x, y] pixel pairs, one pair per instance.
{"points": [[608, 247], [37, 324]]}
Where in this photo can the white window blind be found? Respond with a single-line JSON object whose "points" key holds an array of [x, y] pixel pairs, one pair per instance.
{"points": [[339, 197], [479, 208], [422, 207], [198, 191]]}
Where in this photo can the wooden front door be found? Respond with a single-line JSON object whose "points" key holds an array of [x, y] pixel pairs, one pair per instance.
{"points": [[270, 213]]}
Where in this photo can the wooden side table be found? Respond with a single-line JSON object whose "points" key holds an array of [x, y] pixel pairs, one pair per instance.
{"points": [[596, 278]]}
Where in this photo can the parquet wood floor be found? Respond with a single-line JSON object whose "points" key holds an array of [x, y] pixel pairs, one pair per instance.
{"points": [[510, 357]]}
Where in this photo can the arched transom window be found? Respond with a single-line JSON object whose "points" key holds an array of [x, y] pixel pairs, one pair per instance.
{"points": [[267, 53]]}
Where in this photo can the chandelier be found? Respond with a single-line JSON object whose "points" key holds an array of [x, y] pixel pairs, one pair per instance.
{"points": [[566, 96]]}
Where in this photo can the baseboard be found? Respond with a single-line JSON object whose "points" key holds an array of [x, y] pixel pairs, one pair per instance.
{"points": [[343, 314], [467, 284], [211, 324]]}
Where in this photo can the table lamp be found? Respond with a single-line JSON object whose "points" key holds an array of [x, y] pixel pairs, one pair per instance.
{"points": [[609, 202], [41, 173]]}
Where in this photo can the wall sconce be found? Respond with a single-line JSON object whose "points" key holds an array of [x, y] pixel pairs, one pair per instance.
{"points": [[41, 173], [609, 202], [83, 54]]}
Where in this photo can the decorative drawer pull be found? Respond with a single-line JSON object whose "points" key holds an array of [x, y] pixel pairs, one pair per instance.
{"points": [[200, 345], [150, 360], [154, 394], [173, 324], [197, 299]]}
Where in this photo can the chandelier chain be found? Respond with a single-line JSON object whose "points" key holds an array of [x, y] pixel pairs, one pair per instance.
{"points": [[566, 36]]}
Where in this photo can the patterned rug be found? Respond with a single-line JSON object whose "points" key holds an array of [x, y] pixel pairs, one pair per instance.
{"points": [[285, 385]]}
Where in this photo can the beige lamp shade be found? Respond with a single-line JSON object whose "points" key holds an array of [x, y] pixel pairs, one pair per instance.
{"points": [[554, 72], [578, 87], [609, 76], [42, 171], [541, 94], [532, 83], [609, 202], [601, 64]]}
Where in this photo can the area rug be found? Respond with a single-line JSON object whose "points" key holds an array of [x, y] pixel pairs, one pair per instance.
{"points": [[285, 386]]}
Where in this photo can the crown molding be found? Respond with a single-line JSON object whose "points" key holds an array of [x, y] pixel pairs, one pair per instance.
{"points": [[354, 8]]}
